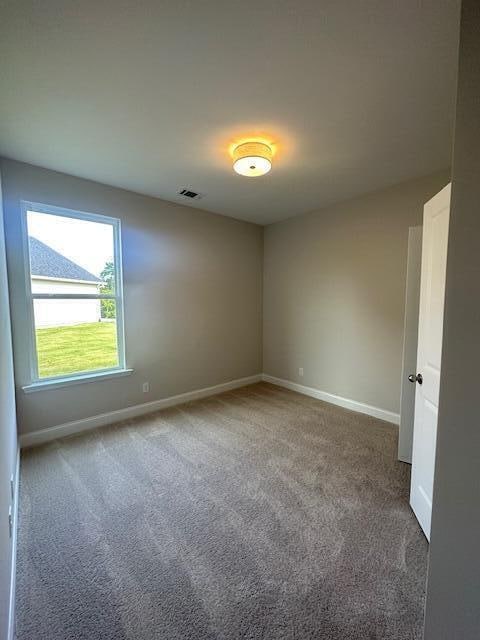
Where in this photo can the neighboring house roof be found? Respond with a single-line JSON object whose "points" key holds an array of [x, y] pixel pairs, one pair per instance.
{"points": [[46, 262]]}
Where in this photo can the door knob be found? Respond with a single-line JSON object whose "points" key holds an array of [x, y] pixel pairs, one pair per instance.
{"points": [[416, 378]]}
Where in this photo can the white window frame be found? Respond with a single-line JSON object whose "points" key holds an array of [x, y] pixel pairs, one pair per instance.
{"points": [[36, 382]]}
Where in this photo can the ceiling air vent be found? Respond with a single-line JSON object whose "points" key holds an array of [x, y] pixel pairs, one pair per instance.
{"points": [[188, 193]]}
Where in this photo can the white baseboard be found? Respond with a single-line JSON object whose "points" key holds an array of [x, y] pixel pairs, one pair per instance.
{"points": [[11, 608], [353, 405], [76, 426]]}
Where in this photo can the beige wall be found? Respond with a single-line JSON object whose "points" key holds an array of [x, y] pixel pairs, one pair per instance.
{"points": [[334, 291], [193, 296], [8, 436], [453, 586]]}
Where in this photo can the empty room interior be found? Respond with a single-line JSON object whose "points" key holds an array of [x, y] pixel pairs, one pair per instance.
{"points": [[239, 320]]}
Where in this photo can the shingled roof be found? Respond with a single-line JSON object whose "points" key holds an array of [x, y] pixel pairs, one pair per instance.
{"points": [[45, 261]]}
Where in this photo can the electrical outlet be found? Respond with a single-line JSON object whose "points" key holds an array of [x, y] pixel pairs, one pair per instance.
{"points": [[300, 372], [146, 387]]}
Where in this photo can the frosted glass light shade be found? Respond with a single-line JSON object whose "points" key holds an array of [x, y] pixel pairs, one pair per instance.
{"points": [[252, 159]]}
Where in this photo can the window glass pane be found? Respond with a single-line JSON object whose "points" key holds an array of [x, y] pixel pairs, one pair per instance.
{"points": [[72, 336], [68, 255], [72, 256]]}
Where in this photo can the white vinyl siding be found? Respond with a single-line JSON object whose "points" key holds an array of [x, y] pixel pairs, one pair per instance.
{"points": [[57, 312]]}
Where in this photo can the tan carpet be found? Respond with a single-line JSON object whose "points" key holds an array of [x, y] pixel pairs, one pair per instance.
{"points": [[259, 513]]}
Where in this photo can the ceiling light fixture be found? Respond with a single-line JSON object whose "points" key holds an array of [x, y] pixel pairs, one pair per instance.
{"points": [[252, 159]]}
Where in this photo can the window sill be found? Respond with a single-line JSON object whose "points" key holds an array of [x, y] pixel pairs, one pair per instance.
{"points": [[47, 385]]}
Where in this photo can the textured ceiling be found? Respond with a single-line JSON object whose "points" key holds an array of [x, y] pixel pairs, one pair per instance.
{"points": [[148, 96]]}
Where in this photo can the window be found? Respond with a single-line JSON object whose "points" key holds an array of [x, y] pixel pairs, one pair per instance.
{"points": [[74, 286]]}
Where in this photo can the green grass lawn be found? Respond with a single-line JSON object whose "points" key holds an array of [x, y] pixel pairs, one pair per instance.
{"points": [[81, 347]]}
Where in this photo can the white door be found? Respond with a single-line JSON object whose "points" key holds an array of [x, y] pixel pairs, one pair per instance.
{"points": [[436, 215]]}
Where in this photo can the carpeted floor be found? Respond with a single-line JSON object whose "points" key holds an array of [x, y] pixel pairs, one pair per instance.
{"points": [[256, 514]]}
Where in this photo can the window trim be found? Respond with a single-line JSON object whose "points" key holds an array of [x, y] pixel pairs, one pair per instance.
{"points": [[56, 383], [81, 376]]}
